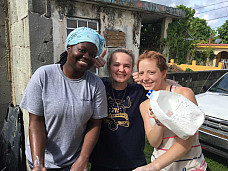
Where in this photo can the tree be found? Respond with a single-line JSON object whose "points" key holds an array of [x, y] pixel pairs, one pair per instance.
{"points": [[223, 32], [200, 30], [178, 42], [185, 33]]}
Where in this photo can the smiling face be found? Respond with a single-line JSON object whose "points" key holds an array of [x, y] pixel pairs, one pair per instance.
{"points": [[120, 67], [81, 57], [150, 75]]}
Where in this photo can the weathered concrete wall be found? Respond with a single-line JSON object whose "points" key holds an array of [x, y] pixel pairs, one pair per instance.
{"points": [[5, 74], [59, 11], [41, 40], [20, 51], [196, 80], [38, 32], [110, 18], [31, 45], [126, 21]]}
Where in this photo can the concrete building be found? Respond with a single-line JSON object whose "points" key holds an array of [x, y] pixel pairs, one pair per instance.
{"points": [[32, 34]]}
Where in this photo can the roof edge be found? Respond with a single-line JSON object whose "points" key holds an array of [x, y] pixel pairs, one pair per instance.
{"points": [[145, 6]]}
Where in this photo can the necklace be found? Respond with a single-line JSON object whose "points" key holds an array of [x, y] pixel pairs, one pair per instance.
{"points": [[121, 99]]}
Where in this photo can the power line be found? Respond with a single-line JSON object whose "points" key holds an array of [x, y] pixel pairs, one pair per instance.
{"points": [[214, 27], [210, 10], [217, 18], [211, 5]]}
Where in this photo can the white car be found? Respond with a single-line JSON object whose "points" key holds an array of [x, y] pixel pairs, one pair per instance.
{"points": [[214, 131]]}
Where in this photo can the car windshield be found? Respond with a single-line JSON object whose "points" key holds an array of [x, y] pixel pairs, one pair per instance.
{"points": [[221, 86]]}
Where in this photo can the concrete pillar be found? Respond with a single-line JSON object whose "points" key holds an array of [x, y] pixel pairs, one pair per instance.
{"points": [[193, 62], [220, 65], [171, 61], [219, 57], [165, 24]]}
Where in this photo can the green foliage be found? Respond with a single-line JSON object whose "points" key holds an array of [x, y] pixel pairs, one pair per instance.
{"points": [[177, 43], [200, 31], [185, 33], [188, 70], [202, 56], [148, 150], [223, 32], [150, 37]]}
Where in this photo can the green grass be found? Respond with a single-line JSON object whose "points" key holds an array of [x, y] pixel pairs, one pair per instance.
{"points": [[216, 163]]}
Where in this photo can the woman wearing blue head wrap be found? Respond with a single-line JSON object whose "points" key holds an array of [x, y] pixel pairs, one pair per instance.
{"points": [[66, 103]]}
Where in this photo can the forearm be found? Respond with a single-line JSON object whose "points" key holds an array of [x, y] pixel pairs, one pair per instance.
{"points": [[154, 132], [37, 138], [155, 135], [90, 139]]}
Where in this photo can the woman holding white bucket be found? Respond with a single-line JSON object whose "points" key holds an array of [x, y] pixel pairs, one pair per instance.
{"points": [[170, 151]]}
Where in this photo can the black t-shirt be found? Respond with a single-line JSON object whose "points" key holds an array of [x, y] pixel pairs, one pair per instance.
{"points": [[122, 137]]}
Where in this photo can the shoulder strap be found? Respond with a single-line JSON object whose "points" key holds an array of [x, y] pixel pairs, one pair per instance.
{"points": [[172, 88]]}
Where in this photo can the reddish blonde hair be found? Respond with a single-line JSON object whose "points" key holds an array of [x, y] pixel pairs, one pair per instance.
{"points": [[161, 61]]}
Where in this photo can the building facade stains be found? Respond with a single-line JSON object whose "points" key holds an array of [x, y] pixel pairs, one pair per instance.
{"points": [[136, 28], [111, 18]]}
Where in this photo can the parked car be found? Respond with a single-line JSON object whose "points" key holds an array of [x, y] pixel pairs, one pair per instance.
{"points": [[214, 131]]}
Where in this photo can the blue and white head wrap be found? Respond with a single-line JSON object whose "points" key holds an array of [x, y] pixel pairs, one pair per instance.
{"points": [[85, 34]]}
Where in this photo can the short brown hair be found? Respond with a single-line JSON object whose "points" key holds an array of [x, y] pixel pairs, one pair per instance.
{"points": [[126, 51]]}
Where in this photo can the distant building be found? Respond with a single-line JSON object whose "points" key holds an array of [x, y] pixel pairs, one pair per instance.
{"points": [[221, 50]]}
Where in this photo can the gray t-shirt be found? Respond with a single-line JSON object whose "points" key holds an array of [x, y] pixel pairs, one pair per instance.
{"points": [[66, 105]]}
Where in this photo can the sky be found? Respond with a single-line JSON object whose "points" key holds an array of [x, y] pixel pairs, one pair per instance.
{"points": [[215, 12]]}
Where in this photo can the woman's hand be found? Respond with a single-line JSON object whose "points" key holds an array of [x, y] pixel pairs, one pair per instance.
{"points": [[138, 169], [99, 60], [135, 76], [149, 167], [39, 168], [80, 165], [90, 140], [152, 116]]}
